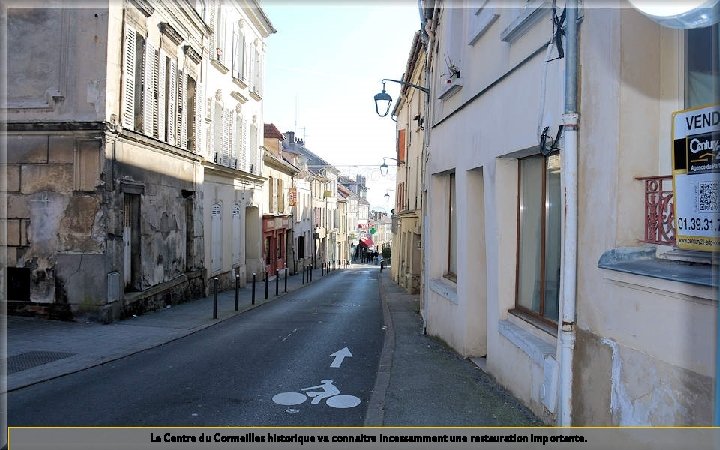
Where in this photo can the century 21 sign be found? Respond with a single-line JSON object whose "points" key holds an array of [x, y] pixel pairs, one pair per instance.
{"points": [[696, 172]]}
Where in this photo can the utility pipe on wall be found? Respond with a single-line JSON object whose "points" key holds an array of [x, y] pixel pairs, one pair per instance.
{"points": [[569, 182]]}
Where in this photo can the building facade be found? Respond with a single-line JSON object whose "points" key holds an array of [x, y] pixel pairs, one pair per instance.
{"points": [[410, 112], [496, 283], [230, 139], [277, 225], [103, 163]]}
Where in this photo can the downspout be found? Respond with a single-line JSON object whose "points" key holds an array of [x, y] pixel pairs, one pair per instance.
{"points": [[569, 173], [429, 40]]}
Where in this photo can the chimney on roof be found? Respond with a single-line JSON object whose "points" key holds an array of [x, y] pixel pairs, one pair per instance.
{"points": [[290, 136]]}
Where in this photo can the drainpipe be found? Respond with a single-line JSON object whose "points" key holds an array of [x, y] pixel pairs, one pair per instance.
{"points": [[428, 38], [570, 180]]}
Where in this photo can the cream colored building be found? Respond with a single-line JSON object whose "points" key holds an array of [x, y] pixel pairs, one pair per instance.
{"points": [[642, 349], [103, 166], [231, 139], [410, 112]]}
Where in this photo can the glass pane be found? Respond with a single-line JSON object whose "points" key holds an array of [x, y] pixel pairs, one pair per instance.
{"points": [[553, 216], [452, 257], [702, 66], [531, 173]]}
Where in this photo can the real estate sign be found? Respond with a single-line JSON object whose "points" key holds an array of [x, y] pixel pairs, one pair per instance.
{"points": [[696, 176]]}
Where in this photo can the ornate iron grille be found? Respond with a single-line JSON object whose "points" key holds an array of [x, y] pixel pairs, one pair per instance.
{"points": [[659, 211]]}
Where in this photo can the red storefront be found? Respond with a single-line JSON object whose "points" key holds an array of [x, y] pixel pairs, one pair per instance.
{"points": [[275, 234]]}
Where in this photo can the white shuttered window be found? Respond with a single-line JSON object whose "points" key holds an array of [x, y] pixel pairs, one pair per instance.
{"points": [[128, 108]]}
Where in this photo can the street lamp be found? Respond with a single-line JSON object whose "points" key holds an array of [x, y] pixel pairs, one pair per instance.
{"points": [[685, 15], [384, 166], [383, 99]]}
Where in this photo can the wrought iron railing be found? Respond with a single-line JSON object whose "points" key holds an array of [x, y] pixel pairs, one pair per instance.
{"points": [[659, 211]]}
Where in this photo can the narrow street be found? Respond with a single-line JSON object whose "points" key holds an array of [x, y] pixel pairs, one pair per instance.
{"points": [[229, 374]]}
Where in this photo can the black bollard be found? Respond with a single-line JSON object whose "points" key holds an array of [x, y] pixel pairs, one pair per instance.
{"points": [[286, 274], [277, 281], [215, 282], [266, 285], [382, 265], [304, 271], [237, 286], [253, 290], [310, 272], [322, 269]]}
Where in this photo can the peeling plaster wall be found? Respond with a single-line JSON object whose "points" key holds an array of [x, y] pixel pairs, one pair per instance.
{"points": [[56, 214], [163, 213]]}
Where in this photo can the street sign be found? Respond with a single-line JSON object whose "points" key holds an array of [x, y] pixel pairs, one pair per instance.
{"points": [[696, 173]]}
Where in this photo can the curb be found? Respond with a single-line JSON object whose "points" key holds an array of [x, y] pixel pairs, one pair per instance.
{"points": [[376, 405], [189, 332]]}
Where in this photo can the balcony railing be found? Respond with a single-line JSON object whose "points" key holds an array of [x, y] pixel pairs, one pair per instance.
{"points": [[659, 210]]}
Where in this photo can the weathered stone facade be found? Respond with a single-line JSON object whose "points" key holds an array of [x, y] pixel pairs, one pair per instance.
{"points": [[103, 217]]}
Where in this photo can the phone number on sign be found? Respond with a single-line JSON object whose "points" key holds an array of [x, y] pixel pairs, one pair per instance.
{"points": [[698, 224]]}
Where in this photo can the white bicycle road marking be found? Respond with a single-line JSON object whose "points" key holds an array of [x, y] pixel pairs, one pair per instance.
{"points": [[326, 390]]}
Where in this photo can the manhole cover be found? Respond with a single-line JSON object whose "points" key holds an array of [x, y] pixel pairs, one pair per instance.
{"points": [[25, 361]]}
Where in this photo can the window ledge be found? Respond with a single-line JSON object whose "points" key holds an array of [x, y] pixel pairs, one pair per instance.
{"points": [[533, 11], [642, 261], [445, 288], [537, 349], [219, 66], [239, 82], [451, 88]]}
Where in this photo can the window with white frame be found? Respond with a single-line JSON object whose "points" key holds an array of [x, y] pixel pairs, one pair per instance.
{"points": [[253, 149], [167, 98], [241, 142], [191, 113], [238, 51], [220, 36], [218, 128], [134, 82]]}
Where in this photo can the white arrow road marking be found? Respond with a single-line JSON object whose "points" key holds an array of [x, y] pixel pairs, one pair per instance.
{"points": [[339, 356]]}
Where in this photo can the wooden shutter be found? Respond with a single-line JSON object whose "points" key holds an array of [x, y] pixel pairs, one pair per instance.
{"points": [[128, 109], [149, 86], [225, 138], [241, 56], [401, 145], [162, 107], [244, 146], [156, 93], [230, 132], [199, 138], [234, 55], [182, 110], [172, 104], [240, 142], [247, 62]]}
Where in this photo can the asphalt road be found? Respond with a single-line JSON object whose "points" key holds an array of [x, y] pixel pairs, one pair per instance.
{"points": [[231, 373]]}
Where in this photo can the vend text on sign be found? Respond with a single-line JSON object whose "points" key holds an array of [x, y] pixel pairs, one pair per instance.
{"points": [[696, 172]]}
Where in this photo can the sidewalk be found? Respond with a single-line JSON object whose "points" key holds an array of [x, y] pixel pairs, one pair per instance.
{"points": [[40, 350], [422, 382]]}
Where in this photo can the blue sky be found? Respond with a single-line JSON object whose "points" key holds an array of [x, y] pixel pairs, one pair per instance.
{"points": [[328, 59]]}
